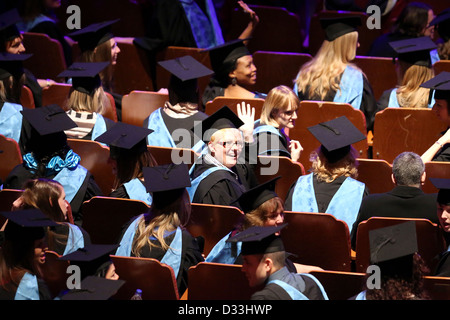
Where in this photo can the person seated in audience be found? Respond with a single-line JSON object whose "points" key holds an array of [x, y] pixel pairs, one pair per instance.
{"points": [[128, 156], [50, 157], [331, 187], [160, 232], [234, 73], [278, 113], [49, 197], [172, 123], [393, 250], [331, 75], [443, 215], [441, 23], [413, 21], [87, 102], [38, 17], [187, 24], [12, 78], [22, 252], [221, 175], [413, 68], [405, 200], [264, 266], [11, 41], [97, 44], [262, 207], [440, 87]]}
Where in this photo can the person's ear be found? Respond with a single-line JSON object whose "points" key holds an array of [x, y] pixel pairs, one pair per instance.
{"points": [[393, 179], [268, 264], [211, 148], [423, 178]]}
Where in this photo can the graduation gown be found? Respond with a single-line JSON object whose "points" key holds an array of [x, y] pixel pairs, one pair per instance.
{"points": [[88, 188], [76, 237], [299, 287], [164, 127], [331, 197], [389, 100], [221, 187], [133, 189], [13, 125], [271, 141], [191, 253], [362, 99], [30, 288]]}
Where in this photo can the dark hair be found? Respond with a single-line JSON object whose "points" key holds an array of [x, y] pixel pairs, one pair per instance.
{"points": [[413, 19]]}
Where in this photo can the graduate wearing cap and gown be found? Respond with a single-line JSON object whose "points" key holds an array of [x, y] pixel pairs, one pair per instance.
{"points": [[234, 71], [440, 87], [264, 267], [49, 156], [330, 75], [97, 44], [443, 215], [414, 65], [87, 100], [12, 124], [172, 124], [221, 174], [159, 233], [11, 42], [394, 250], [441, 24], [128, 155], [22, 251], [323, 190]]}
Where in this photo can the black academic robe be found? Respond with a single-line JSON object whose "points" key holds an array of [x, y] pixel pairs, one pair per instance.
{"points": [[89, 188], [191, 255], [63, 230], [273, 145], [223, 187], [323, 191], [32, 83], [44, 292], [25, 133]]}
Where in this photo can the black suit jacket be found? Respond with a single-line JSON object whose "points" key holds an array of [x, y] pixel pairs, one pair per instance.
{"points": [[400, 202]]}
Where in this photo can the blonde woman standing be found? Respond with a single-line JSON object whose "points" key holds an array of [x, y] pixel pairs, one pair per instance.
{"points": [[330, 75]]}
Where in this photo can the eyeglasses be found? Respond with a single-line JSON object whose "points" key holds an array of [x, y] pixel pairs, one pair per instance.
{"points": [[229, 144]]}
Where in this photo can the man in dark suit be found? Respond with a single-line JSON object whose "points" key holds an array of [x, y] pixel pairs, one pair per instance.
{"points": [[406, 200]]}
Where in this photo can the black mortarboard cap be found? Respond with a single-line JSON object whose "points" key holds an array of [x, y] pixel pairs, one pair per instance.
{"points": [[415, 50], [12, 64], [338, 26], [85, 75], [442, 23], [94, 288], [443, 185], [393, 242], [93, 35], [336, 136], [166, 177], [440, 84], [92, 259], [48, 119], [26, 224], [8, 28], [221, 119], [186, 68], [126, 136], [259, 240], [224, 56], [253, 198]]}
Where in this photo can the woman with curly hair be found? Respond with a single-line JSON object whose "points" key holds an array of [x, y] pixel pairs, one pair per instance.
{"points": [[399, 269], [331, 187], [49, 197], [160, 233], [331, 75]]}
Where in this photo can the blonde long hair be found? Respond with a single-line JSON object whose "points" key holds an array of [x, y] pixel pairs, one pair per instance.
{"points": [[80, 101], [322, 74], [280, 98], [410, 94], [163, 216]]}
